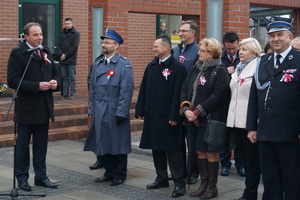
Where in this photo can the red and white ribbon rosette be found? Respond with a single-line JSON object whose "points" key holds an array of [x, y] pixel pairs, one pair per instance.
{"points": [[110, 73], [241, 80], [202, 80], [166, 72], [46, 59], [181, 59], [287, 78]]}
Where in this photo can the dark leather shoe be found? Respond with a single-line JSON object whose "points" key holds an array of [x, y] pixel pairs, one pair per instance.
{"points": [[23, 185], [191, 180], [103, 179], [241, 198], [224, 171], [45, 183], [178, 192], [96, 165], [157, 185], [116, 182], [241, 171]]}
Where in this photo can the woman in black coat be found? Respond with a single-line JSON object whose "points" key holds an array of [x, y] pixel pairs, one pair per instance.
{"points": [[208, 99]]}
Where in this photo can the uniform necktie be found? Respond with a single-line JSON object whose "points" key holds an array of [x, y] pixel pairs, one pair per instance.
{"points": [[231, 60], [278, 56], [37, 52], [105, 62]]}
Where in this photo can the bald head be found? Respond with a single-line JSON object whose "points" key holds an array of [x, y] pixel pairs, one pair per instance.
{"points": [[296, 43]]}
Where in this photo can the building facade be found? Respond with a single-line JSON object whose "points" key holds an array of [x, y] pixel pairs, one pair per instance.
{"points": [[136, 20]]}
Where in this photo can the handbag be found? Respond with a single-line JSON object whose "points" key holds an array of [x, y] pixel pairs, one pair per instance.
{"points": [[217, 136]]}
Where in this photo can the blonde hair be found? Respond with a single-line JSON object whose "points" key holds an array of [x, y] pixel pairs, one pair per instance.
{"points": [[253, 45], [213, 46]]}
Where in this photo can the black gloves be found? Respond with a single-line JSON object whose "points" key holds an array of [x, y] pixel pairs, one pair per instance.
{"points": [[120, 120]]}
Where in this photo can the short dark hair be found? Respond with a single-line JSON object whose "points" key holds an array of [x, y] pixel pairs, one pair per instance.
{"points": [[28, 25], [230, 37], [193, 25], [165, 40], [69, 19]]}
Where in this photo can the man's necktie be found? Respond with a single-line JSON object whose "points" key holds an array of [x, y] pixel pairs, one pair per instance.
{"points": [[105, 62], [231, 60], [278, 56], [37, 52]]}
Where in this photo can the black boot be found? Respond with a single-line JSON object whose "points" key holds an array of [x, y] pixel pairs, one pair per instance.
{"points": [[212, 190], [202, 163]]}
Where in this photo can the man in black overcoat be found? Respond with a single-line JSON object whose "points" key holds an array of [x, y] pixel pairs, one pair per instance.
{"points": [[33, 105], [158, 104], [274, 114]]}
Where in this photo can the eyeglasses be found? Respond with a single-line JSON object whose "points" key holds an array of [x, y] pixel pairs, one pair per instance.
{"points": [[202, 51], [107, 43], [183, 31]]}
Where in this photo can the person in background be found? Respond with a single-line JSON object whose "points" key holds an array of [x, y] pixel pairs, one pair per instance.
{"points": [[240, 83], [296, 43], [187, 53], [230, 58], [34, 106], [163, 30], [157, 105], [268, 48], [206, 99], [111, 89], [67, 48], [273, 114]]}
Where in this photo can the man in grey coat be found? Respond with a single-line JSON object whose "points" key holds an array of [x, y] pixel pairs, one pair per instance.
{"points": [[111, 90]]}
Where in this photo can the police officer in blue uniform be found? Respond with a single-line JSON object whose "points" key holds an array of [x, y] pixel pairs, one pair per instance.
{"points": [[274, 114], [111, 89]]}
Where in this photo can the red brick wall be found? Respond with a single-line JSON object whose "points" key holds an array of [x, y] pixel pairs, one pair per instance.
{"points": [[141, 35], [280, 4], [236, 17], [9, 29]]}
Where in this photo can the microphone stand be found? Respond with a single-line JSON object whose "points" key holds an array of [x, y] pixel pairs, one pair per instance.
{"points": [[14, 192]]}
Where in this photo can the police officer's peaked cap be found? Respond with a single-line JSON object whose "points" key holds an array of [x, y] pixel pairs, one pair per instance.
{"points": [[112, 34], [279, 24]]}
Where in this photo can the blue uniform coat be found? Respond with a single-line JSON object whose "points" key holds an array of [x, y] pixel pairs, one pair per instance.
{"points": [[275, 115], [110, 96]]}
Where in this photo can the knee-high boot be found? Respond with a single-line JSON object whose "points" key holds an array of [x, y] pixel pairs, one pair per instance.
{"points": [[203, 170], [212, 190]]}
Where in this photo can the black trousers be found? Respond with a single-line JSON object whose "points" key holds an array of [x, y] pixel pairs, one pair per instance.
{"points": [[249, 153], [280, 167], [39, 150], [115, 166], [176, 164], [225, 158]]}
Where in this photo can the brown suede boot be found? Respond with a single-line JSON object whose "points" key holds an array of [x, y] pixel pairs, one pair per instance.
{"points": [[212, 190], [202, 163]]}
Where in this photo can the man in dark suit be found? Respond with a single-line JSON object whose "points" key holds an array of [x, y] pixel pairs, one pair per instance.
{"points": [[34, 105], [230, 58], [274, 113], [158, 103]]}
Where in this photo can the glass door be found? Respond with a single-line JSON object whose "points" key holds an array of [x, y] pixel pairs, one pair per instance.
{"points": [[44, 12]]}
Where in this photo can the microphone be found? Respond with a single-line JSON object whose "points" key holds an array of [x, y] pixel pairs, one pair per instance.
{"points": [[40, 47]]}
